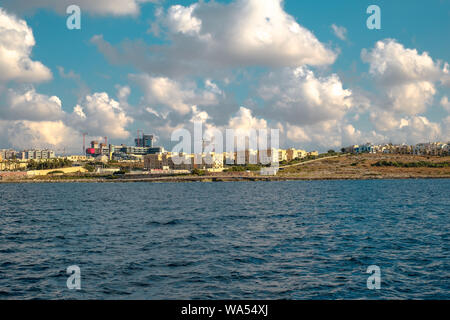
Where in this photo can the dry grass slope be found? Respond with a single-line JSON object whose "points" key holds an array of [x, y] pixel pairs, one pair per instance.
{"points": [[361, 167]]}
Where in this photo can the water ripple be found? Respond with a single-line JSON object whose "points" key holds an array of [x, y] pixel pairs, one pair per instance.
{"points": [[243, 240]]}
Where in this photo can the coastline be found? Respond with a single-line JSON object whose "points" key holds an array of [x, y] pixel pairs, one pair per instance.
{"points": [[209, 179], [346, 167]]}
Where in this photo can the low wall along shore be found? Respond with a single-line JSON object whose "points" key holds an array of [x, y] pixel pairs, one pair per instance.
{"points": [[64, 170]]}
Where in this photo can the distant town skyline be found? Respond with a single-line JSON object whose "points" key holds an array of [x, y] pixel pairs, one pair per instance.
{"points": [[313, 70]]}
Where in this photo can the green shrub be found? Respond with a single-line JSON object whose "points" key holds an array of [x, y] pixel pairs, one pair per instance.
{"points": [[419, 164], [89, 167], [48, 164], [198, 172], [56, 172]]}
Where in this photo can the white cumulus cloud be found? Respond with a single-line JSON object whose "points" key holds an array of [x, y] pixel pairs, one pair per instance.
{"points": [[24, 134], [244, 121], [445, 103], [214, 36], [165, 94], [298, 96], [406, 78], [30, 105], [99, 7], [16, 43], [329, 134], [100, 115]]}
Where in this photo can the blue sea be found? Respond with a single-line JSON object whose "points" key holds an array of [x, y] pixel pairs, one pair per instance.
{"points": [[226, 240]]}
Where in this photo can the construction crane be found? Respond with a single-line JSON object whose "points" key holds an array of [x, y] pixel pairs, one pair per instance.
{"points": [[84, 143], [138, 142]]}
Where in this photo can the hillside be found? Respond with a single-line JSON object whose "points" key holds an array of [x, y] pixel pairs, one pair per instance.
{"points": [[369, 166]]}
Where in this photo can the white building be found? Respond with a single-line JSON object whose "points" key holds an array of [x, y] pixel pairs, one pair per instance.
{"points": [[37, 154]]}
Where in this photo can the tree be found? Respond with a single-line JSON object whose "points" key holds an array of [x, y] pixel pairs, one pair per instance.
{"points": [[89, 167], [32, 164], [198, 172]]}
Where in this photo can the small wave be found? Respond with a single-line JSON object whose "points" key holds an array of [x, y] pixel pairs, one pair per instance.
{"points": [[165, 223]]}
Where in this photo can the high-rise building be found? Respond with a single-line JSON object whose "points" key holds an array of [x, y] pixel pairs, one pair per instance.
{"points": [[146, 141]]}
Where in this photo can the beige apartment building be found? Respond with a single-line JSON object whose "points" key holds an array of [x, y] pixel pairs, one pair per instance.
{"points": [[216, 161], [292, 154], [77, 158], [167, 161]]}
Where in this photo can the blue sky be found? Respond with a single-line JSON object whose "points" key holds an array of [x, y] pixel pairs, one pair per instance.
{"points": [[118, 50]]}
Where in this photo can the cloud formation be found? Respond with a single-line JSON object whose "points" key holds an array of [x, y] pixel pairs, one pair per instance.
{"points": [[330, 134], [244, 121], [16, 43], [300, 97], [202, 69], [445, 103], [100, 115], [207, 36], [406, 78], [24, 134], [165, 94], [407, 82], [339, 31], [30, 105], [30, 119], [99, 7]]}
